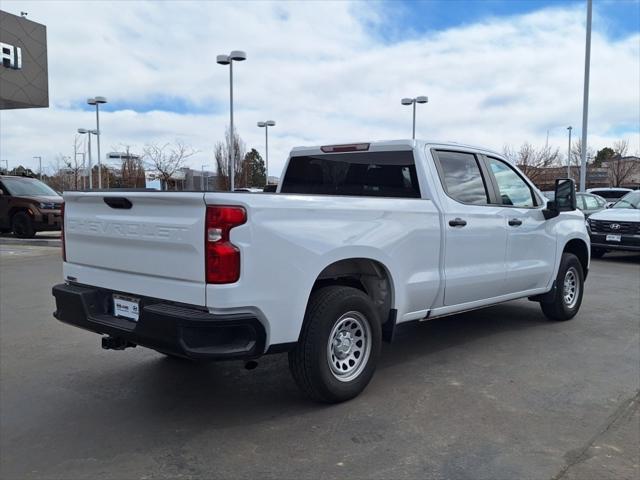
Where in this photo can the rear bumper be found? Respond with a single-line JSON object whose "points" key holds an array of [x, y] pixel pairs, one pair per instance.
{"points": [[182, 330]]}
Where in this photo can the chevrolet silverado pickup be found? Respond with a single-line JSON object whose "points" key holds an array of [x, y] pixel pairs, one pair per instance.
{"points": [[356, 240]]}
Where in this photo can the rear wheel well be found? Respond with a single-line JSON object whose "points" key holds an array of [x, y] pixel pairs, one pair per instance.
{"points": [[579, 249], [365, 274]]}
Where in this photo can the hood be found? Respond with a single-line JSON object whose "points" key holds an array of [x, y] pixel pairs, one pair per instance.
{"points": [[42, 198], [617, 215]]}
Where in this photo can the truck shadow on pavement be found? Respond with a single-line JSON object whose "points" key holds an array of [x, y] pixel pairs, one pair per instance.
{"points": [[217, 395]]}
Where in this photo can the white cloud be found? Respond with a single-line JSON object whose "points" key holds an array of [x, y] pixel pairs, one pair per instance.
{"points": [[322, 74]]}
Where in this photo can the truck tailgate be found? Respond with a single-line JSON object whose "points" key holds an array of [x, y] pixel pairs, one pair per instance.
{"points": [[146, 243]]}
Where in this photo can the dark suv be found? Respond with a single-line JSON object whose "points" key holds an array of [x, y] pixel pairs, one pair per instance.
{"points": [[28, 206]]}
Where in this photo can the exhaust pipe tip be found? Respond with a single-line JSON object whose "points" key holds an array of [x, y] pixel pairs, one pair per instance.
{"points": [[251, 364]]}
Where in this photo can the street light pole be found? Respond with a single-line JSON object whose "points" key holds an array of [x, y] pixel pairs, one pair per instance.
{"points": [[238, 56], [84, 131], [585, 101], [204, 185], [39, 167], [266, 125], [569, 154], [413, 101], [97, 101]]}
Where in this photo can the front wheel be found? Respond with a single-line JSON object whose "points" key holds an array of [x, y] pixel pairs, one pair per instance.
{"points": [[569, 289], [22, 225], [339, 345]]}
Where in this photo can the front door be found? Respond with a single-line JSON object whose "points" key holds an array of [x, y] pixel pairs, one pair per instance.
{"points": [[531, 246], [475, 233]]}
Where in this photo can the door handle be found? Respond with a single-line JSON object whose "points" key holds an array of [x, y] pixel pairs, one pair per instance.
{"points": [[515, 222], [457, 222]]}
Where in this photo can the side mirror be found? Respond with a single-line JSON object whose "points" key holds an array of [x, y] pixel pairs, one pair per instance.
{"points": [[564, 199]]}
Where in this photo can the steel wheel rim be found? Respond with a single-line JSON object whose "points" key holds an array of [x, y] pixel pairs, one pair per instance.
{"points": [[349, 346], [571, 288]]}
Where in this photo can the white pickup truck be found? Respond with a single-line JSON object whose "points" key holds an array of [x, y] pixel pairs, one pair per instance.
{"points": [[356, 240]]}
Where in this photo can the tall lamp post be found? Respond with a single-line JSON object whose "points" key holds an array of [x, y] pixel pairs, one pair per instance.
{"points": [[204, 184], [237, 56], [569, 154], [97, 101], [413, 101], [266, 124], [585, 101], [83, 131], [39, 167]]}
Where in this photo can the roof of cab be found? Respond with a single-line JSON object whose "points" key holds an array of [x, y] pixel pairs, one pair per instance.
{"points": [[386, 145]]}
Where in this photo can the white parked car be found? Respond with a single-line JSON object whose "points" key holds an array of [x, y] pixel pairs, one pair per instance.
{"points": [[617, 228], [357, 240], [610, 194]]}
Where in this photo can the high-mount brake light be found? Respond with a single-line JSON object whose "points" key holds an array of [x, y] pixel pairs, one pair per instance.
{"points": [[351, 147], [222, 258]]}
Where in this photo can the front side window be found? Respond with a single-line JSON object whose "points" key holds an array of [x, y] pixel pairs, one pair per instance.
{"points": [[590, 203], [371, 174], [514, 191], [461, 177]]}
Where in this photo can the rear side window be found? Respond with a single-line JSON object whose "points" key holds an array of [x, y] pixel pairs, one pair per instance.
{"points": [[461, 177], [371, 174]]}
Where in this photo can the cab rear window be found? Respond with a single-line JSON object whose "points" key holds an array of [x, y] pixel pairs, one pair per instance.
{"points": [[370, 174]]}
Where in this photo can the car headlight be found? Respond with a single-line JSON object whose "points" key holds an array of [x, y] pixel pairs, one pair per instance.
{"points": [[47, 206]]}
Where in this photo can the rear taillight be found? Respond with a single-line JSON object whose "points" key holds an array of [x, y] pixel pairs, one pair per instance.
{"points": [[64, 251], [222, 257]]}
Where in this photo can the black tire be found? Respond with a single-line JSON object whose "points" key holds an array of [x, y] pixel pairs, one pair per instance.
{"points": [[22, 225], [330, 310], [598, 252], [564, 307]]}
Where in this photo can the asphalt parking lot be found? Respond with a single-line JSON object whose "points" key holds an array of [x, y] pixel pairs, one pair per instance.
{"points": [[499, 393]]}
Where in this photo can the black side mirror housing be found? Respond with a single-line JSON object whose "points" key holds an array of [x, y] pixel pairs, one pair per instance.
{"points": [[564, 200]]}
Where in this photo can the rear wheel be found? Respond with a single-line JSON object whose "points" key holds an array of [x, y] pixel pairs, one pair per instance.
{"points": [[598, 252], [339, 345], [569, 289], [22, 225]]}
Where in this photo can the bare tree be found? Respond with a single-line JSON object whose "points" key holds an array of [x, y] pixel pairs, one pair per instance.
{"points": [[531, 160], [621, 168], [222, 155], [132, 169], [167, 159]]}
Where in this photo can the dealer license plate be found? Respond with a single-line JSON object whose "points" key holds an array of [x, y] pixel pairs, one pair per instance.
{"points": [[614, 238], [126, 307]]}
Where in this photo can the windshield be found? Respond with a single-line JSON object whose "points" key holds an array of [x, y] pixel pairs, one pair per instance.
{"points": [[631, 200], [19, 187]]}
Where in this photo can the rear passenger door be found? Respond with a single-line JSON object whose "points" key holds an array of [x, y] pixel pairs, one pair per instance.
{"points": [[530, 246], [475, 234]]}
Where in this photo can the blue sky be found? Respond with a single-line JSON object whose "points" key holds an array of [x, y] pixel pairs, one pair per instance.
{"points": [[617, 17], [496, 73]]}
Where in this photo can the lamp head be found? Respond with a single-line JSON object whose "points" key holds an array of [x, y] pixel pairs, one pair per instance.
{"points": [[91, 101], [100, 99], [82, 130], [261, 124], [271, 123], [406, 101], [422, 99], [238, 55], [223, 59]]}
